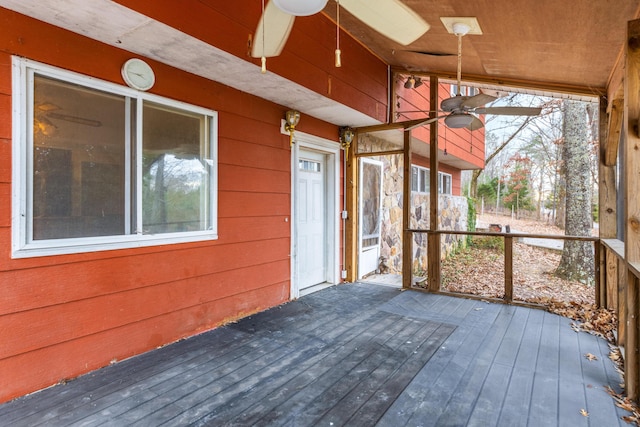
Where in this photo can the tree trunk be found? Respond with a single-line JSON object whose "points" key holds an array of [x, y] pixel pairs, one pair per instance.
{"points": [[577, 257]]}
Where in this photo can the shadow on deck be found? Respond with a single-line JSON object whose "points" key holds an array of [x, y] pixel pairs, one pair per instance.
{"points": [[357, 355]]}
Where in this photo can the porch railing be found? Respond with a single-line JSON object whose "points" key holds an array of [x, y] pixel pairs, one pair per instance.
{"points": [[618, 291], [509, 239]]}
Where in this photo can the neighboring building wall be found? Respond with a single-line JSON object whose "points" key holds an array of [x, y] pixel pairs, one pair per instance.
{"points": [[65, 315]]}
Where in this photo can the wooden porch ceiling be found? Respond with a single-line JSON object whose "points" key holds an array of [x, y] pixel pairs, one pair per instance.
{"points": [[358, 355], [567, 45]]}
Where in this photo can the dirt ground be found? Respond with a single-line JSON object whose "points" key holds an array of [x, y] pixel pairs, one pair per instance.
{"points": [[480, 270]]}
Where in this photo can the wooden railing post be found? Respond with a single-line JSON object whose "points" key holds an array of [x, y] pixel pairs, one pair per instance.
{"points": [[600, 272], [631, 338], [508, 268]]}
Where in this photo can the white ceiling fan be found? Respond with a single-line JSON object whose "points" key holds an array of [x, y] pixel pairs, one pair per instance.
{"points": [[391, 18], [463, 109]]}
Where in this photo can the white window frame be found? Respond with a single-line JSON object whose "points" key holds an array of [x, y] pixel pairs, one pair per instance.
{"points": [[422, 184], [445, 183], [23, 246]]}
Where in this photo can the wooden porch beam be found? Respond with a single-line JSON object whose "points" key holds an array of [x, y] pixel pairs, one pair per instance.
{"points": [[406, 125], [607, 189], [609, 149], [556, 88]]}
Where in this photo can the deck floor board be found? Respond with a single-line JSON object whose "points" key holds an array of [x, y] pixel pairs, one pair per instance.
{"points": [[357, 355]]}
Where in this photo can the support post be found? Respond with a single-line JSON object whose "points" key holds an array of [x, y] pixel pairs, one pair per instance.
{"points": [[433, 241], [351, 224], [407, 236], [632, 201]]}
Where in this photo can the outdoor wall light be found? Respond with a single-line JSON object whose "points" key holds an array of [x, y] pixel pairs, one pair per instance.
{"points": [[413, 82], [346, 137], [292, 118]]}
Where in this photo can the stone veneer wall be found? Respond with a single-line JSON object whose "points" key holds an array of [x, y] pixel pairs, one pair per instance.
{"points": [[453, 213]]}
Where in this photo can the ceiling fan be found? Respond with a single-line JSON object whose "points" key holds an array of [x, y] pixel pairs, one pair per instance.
{"points": [[462, 109], [391, 18]]}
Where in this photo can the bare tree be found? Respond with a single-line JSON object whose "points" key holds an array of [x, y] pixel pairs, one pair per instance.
{"points": [[577, 257]]}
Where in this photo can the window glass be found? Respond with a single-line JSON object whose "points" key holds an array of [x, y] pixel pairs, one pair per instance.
{"points": [[414, 178], [444, 183], [78, 161], [175, 190]]}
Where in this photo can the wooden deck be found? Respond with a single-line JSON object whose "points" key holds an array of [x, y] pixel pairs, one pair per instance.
{"points": [[357, 355]]}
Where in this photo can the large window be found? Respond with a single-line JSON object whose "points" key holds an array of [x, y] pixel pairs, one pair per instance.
{"points": [[100, 166], [420, 181]]}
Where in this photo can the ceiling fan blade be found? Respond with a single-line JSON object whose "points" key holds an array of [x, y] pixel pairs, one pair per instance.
{"points": [[509, 111], [475, 124], [426, 121], [477, 100], [272, 32], [391, 18], [430, 53]]}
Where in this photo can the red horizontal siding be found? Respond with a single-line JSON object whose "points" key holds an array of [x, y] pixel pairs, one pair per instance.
{"points": [[55, 285], [33, 329], [47, 365]]}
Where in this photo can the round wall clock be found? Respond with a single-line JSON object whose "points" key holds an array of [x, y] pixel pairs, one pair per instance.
{"points": [[138, 74]]}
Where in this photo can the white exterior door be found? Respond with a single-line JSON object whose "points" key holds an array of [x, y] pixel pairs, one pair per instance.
{"points": [[311, 233]]}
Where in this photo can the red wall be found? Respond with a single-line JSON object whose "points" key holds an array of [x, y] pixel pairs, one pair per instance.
{"points": [[61, 316]]}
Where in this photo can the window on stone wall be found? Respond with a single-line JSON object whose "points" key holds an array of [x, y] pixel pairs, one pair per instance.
{"points": [[444, 183], [419, 179]]}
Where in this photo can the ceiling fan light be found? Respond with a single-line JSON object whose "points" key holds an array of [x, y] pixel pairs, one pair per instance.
{"points": [[460, 120], [460, 29], [301, 8]]}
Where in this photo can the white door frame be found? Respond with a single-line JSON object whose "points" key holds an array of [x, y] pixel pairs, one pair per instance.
{"points": [[332, 151]]}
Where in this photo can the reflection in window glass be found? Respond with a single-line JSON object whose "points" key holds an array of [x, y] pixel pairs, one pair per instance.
{"points": [[78, 161], [175, 173]]}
